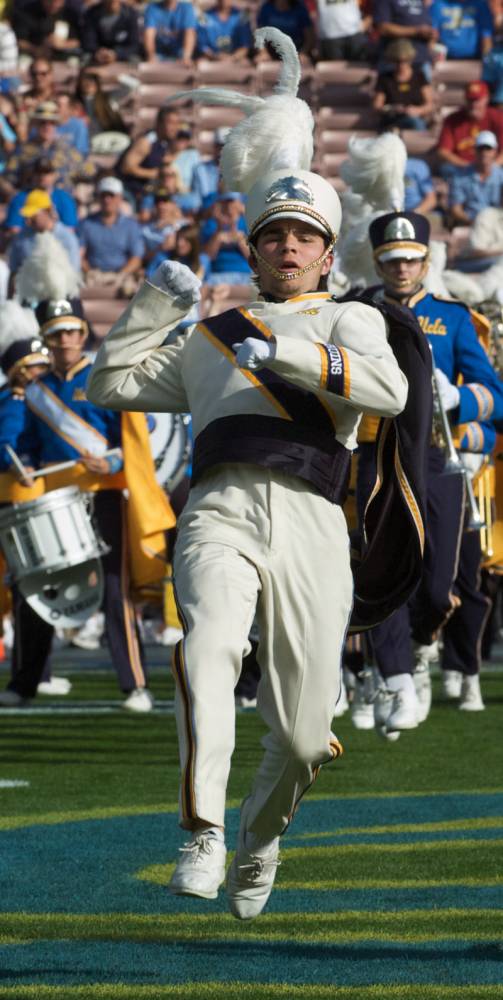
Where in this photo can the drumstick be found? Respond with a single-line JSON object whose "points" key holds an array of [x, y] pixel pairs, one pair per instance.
{"points": [[17, 462], [68, 465]]}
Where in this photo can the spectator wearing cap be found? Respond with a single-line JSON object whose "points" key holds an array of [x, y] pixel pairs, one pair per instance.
{"points": [[44, 141], [40, 216], [72, 127], [481, 186], [224, 32], [44, 178], [111, 242], [110, 33], [223, 239], [456, 145], [170, 31], [206, 179], [410, 19], [48, 25], [403, 96], [342, 30], [465, 27], [293, 19]]}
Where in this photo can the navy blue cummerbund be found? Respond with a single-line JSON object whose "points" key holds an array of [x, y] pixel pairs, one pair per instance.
{"points": [[274, 443]]}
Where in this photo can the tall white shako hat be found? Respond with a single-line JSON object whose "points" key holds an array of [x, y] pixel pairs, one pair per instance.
{"points": [[267, 155]]}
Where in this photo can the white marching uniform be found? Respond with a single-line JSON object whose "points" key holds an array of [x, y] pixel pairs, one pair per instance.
{"points": [[254, 537]]}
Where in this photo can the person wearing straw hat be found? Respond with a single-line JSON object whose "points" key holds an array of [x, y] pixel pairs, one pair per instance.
{"points": [[276, 393]]}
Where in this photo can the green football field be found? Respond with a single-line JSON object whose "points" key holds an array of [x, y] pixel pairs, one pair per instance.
{"points": [[391, 883]]}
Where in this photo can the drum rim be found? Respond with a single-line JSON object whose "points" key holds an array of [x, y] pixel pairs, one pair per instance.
{"points": [[53, 499]]}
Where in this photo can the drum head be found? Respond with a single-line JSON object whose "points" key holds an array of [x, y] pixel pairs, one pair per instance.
{"points": [[67, 598], [170, 444]]}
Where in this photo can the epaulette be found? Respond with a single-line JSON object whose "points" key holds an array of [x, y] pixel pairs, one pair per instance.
{"points": [[449, 302]]}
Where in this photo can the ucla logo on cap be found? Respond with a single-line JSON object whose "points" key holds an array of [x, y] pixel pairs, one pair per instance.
{"points": [[290, 189], [399, 229]]}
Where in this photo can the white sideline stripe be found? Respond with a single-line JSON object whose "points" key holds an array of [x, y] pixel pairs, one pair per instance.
{"points": [[88, 708], [7, 783]]}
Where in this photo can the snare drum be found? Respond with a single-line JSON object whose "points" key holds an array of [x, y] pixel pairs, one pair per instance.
{"points": [[171, 447], [53, 554], [49, 534]]}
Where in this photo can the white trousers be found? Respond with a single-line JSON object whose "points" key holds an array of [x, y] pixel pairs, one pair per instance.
{"points": [[254, 539]]}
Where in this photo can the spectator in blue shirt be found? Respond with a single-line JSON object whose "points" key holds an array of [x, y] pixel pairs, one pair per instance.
{"points": [[41, 218], [170, 31], [169, 180], [481, 185], [293, 18], [223, 239], [465, 27], [43, 178], [224, 32], [112, 243], [160, 231], [71, 126]]}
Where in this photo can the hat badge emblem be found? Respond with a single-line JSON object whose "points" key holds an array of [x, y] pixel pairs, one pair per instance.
{"points": [[400, 229], [290, 189]]}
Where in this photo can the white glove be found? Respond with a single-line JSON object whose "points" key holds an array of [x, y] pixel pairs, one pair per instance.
{"points": [[253, 354], [471, 461], [448, 392], [177, 281]]}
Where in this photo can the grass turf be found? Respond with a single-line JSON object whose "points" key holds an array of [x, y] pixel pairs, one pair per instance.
{"points": [[361, 835]]}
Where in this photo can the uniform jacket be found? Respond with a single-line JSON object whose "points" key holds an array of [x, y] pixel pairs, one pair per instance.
{"points": [[337, 354]]}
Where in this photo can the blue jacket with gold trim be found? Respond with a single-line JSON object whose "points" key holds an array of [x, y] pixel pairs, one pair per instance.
{"points": [[457, 351], [43, 443]]}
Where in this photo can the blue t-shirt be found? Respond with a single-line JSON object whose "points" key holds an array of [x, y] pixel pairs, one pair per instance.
{"points": [[64, 203], [109, 248], [76, 133], [461, 25], [170, 26], [205, 180], [474, 193], [418, 182], [292, 22], [217, 35], [229, 258]]}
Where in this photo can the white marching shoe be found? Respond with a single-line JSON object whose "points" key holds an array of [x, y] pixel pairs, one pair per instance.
{"points": [[251, 875], [424, 656], [55, 686], [471, 697], [139, 700], [362, 709], [451, 684], [200, 870], [396, 706]]}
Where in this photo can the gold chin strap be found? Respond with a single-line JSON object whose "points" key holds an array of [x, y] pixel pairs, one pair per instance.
{"points": [[290, 275]]}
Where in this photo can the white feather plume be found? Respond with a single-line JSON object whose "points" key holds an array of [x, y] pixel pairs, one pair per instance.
{"points": [[374, 174], [47, 273], [276, 132], [16, 323], [434, 280]]}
